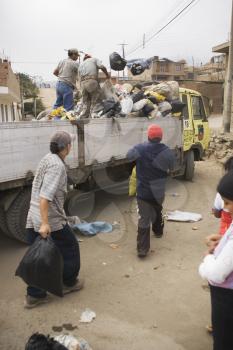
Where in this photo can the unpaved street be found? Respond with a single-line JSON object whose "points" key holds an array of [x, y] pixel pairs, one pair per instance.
{"points": [[154, 304]]}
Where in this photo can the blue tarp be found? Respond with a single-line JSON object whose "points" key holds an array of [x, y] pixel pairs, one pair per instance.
{"points": [[92, 228]]}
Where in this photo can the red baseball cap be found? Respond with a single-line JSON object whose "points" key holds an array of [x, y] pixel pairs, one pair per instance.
{"points": [[155, 132]]}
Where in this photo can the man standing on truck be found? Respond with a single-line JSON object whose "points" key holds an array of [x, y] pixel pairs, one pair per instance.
{"points": [[67, 73], [46, 216], [90, 88], [154, 161]]}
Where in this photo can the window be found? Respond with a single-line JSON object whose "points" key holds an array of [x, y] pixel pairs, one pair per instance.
{"points": [[178, 67], [185, 109], [2, 114], [198, 108], [162, 68], [6, 113]]}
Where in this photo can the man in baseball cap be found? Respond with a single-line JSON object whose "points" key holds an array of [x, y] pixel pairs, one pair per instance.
{"points": [[67, 73], [46, 216], [154, 160]]}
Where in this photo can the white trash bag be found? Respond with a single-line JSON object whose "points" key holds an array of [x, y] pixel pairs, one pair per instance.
{"points": [[73, 343], [126, 105]]}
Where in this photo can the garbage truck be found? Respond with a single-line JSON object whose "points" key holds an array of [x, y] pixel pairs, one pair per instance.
{"points": [[97, 159]]}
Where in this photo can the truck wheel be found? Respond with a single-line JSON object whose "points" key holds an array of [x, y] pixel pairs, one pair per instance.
{"points": [[189, 166], [17, 215], [3, 224], [79, 203]]}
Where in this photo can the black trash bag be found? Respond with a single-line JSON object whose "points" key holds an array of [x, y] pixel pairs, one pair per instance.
{"points": [[41, 342], [138, 96], [152, 99], [177, 106], [42, 266], [117, 62], [147, 109], [111, 107], [137, 69]]}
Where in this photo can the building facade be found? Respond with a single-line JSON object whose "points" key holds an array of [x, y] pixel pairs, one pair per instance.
{"points": [[161, 69], [10, 107]]}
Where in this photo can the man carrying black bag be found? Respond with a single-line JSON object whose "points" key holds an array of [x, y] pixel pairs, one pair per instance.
{"points": [[46, 216]]}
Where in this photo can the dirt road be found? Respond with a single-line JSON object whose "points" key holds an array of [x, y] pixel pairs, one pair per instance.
{"points": [[154, 304]]}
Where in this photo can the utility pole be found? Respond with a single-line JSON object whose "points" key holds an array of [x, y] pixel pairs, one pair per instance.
{"points": [[123, 54], [228, 85]]}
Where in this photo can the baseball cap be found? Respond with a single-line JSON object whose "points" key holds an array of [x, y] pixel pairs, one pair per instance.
{"points": [[154, 132], [73, 52], [62, 139]]}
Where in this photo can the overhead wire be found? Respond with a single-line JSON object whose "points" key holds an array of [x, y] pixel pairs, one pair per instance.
{"points": [[193, 2]]}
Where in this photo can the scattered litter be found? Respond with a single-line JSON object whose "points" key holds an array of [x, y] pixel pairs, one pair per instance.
{"points": [[156, 267], [80, 240], [87, 316], [183, 216], [92, 228], [173, 194], [127, 276], [104, 263], [72, 343], [115, 225], [113, 246], [154, 325], [152, 251], [194, 228]]}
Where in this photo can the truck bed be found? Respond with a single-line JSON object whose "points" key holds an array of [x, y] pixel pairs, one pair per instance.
{"points": [[97, 141]]}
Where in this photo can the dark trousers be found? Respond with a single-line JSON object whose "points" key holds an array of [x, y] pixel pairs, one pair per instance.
{"points": [[68, 246], [222, 317], [150, 212]]}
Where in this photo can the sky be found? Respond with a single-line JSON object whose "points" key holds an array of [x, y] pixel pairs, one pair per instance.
{"points": [[34, 34]]}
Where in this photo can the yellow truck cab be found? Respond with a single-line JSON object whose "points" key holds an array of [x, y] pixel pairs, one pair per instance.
{"points": [[196, 131]]}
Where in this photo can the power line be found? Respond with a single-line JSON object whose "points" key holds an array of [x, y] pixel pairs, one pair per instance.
{"points": [[165, 17], [163, 27]]}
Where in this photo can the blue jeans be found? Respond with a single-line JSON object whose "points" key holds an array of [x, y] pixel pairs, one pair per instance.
{"points": [[68, 246], [64, 96]]}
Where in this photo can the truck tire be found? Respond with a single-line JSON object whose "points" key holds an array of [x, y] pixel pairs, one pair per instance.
{"points": [[189, 166], [3, 224], [16, 215], [79, 203]]}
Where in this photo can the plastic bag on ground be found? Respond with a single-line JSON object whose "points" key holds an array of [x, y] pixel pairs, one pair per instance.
{"points": [[138, 106], [42, 266], [184, 216], [117, 62], [39, 341], [87, 316], [126, 105], [72, 343]]}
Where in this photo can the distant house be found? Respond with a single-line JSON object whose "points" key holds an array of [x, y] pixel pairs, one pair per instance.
{"points": [[10, 108], [161, 69]]}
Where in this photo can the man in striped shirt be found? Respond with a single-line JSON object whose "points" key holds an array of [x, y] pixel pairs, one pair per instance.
{"points": [[46, 215]]}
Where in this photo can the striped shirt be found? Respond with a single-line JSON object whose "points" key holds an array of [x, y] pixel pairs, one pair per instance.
{"points": [[50, 182]]}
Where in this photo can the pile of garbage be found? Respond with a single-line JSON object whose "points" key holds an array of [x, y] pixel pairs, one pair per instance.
{"points": [[121, 100]]}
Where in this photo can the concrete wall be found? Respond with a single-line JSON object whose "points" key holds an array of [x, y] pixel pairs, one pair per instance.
{"points": [[214, 91]]}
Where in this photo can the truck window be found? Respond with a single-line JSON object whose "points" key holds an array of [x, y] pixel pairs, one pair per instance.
{"points": [[198, 108], [185, 109]]}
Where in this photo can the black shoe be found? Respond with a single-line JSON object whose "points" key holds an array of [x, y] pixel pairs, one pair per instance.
{"points": [[141, 254], [158, 235]]}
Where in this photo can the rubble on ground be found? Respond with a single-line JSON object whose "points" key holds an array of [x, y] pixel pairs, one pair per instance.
{"points": [[221, 146]]}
